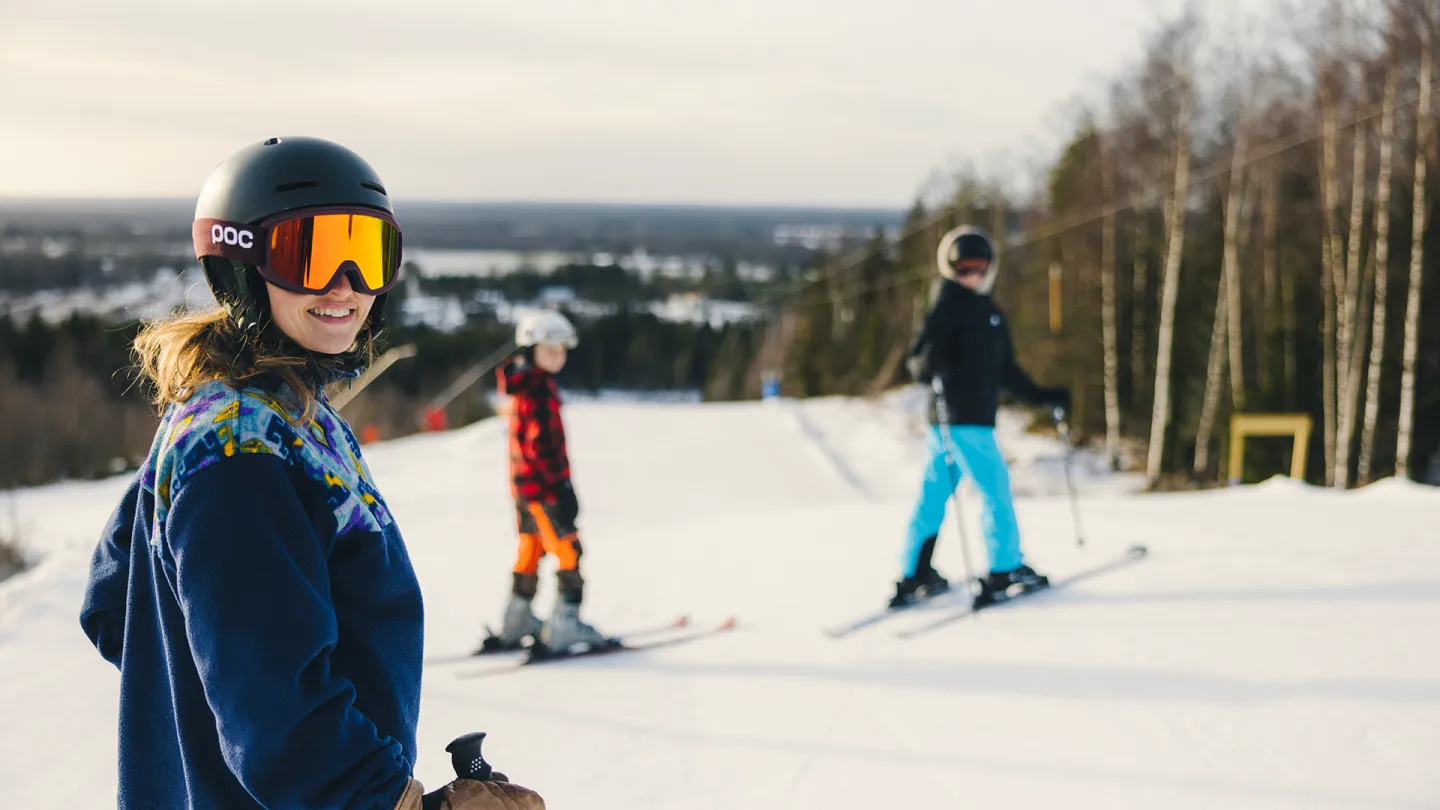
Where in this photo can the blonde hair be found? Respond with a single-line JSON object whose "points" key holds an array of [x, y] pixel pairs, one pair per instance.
{"points": [[179, 354]]}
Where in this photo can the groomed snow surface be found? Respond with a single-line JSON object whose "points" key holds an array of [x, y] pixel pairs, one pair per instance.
{"points": [[1280, 648]]}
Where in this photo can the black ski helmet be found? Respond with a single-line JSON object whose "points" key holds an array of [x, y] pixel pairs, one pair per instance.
{"points": [[965, 243], [275, 177]]}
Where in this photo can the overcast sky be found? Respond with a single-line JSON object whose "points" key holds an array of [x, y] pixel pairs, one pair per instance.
{"points": [[830, 102]]}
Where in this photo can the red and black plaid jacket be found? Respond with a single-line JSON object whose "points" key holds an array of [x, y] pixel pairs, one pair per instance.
{"points": [[539, 464]]}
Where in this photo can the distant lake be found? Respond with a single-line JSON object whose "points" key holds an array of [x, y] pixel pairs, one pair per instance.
{"points": [[485, 263], [493, 263]]}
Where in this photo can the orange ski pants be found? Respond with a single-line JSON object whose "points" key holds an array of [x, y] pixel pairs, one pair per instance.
{"points": [[541, 534]]}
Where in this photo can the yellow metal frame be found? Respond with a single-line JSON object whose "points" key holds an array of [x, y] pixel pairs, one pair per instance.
{"points": [[1297, 425]]}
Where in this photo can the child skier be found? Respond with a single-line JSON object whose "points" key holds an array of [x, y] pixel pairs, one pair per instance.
{"points": [[965, 345], [545, 503]]}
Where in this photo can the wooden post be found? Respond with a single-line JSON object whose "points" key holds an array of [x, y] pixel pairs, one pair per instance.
{"points": [[1300, 451]]}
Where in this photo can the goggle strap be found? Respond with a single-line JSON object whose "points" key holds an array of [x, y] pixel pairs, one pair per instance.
{"points": [[232, 240]]}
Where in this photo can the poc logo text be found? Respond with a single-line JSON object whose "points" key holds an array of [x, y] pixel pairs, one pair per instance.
{"points": [[231, 236]]}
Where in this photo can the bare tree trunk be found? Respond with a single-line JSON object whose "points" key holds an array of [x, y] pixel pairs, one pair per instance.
{"points": [[1382, 284], [1287, 312], [1423, 126], [1357, 348], [1347, 280], [1234, 214], [1175, 238], [1214, 375], [1269, 213], [1107, 315], [1328, 260], [1226, 328], [1349, 388], [1138, 307]]}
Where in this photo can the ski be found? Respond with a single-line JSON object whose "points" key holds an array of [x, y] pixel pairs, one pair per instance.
{"points": [[619, 644], [869, 619], [490, 651], [1132, 555]]}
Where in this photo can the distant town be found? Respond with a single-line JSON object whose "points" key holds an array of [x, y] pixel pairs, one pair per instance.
{"points": [[123, 261]]}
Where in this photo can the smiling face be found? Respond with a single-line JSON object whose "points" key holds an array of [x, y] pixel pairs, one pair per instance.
{"points": [[327, 323]]}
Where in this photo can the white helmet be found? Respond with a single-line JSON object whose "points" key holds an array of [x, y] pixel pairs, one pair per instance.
{"points": [[545, 328], [967, 243]]}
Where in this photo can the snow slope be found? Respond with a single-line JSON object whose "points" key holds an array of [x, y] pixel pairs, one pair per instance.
{"points": [[1277, 650]]}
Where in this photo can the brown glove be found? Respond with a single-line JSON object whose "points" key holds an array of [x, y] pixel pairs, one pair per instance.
{"points": [[469, 794]]}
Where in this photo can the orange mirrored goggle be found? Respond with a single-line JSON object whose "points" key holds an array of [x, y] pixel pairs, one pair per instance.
{"points": [[970, 267], [307, 252]]}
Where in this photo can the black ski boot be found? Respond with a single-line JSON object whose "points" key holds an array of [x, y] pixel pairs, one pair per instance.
{"points": [[926, 583], [1025, 577], [996, 587]]}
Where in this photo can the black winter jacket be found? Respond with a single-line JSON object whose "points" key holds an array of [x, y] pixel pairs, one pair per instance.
{"points": [[964, 342]]}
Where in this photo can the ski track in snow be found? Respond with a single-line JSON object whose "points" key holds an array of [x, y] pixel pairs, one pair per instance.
{"points": [[1277, 650]]}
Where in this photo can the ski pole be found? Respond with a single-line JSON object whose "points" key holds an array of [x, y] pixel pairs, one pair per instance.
{"points": [[1058, 414], [952, 456], [466, 758], [471, 376], [468, 762]]}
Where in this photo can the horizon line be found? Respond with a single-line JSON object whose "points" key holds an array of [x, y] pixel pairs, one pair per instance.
{"points": [[159, 199]]}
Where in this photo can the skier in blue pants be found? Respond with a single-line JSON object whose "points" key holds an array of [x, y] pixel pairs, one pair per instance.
{"points": [[965, 344]]}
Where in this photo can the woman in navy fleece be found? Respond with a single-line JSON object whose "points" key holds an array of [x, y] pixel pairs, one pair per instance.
{"points": [[252, 587]]}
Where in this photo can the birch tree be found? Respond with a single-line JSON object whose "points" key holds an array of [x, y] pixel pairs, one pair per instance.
{"points": [[1235, 213], [1348, 305], [1328, 262], [1175, 245], [1214, 375], [1107, 305], [1227, 305], [1382, 272], [1423, 129]]}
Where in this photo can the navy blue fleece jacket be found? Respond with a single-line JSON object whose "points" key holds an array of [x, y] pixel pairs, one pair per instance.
{"points": [[258, 600]]}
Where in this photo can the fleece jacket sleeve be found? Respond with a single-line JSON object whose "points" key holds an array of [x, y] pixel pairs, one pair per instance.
{"points": [[932, 344], [102, 615]]}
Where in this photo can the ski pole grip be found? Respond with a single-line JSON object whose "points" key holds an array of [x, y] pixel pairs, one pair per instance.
{"points": [[465, 756]]}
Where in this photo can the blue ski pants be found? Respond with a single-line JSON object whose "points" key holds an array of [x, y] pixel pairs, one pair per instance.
{"points": [[972, 453]]}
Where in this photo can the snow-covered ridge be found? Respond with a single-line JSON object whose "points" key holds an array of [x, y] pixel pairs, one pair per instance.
{"points": [[1273, 652]]}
